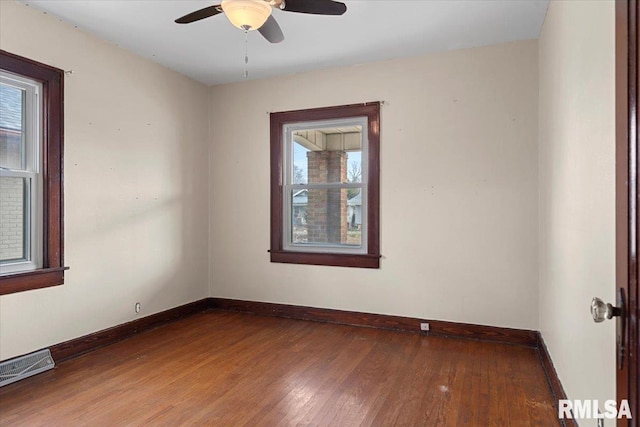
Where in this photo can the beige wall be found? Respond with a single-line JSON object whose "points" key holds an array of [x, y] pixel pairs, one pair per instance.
{"points": [[136, 184], [577, 193], [458, 188]]}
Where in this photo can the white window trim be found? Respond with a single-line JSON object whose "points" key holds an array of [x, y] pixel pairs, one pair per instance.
{"points": [[289, 187], [32, 172]]}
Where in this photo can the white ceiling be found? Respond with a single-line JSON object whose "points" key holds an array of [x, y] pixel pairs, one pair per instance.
{"points": [[212, 50]]}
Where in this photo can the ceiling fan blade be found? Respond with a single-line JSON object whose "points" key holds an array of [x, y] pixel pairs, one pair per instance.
{"points": [[316, 7], [271, 31], [199, 14]]}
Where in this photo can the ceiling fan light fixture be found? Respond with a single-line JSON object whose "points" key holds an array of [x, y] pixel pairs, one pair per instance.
{"points": [[247, 14]]}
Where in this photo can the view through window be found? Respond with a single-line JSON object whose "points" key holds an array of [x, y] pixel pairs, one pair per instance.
{"points": [[325, 186], [20, 173]]}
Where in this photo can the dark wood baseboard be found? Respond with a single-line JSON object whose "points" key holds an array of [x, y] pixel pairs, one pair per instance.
{"points": [[552, 378], [382, 321], [87, 343]]}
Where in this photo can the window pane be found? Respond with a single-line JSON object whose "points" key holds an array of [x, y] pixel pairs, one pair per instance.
{"points": [[13, 218], [327, 155], [326, 216], [12, 145]]}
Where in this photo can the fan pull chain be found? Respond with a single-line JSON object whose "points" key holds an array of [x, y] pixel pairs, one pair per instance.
{"points": [[246, 54]]}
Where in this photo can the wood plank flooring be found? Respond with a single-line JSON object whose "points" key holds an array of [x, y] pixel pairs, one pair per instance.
{"points": [[229, 369]]}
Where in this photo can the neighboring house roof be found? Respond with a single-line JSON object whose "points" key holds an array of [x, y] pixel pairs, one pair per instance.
{"points": [[300, 198], [10, 108], [355, 200]]}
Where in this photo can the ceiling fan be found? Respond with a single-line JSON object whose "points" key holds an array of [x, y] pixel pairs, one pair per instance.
{"points": [[256, 14]]}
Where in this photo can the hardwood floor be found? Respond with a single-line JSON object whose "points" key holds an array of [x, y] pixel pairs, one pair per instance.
{"points": [[227, 369]]}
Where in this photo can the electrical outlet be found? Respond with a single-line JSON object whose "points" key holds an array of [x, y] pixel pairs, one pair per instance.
{"points": [[424, 326], [138, 307]]}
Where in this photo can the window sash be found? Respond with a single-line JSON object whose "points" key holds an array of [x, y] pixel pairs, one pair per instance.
{"points": [[288, 142], [317, 246], [32, 120], [27, 203]]}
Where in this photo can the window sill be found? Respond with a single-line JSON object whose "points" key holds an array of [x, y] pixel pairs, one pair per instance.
{"points": [[28, 280], [335, 260]]}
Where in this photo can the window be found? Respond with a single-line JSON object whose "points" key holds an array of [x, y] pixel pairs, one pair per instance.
{"points": [[325, 186], [20, 173], [31, 216]]}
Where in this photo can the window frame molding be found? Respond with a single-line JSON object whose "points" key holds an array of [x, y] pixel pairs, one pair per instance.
{"points": [[278, 253], [52, 271]]}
